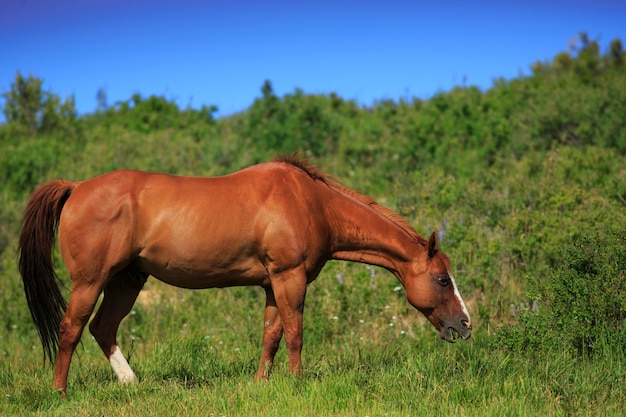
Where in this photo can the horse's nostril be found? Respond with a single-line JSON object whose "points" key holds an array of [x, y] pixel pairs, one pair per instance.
{"points": [[466, 324]]}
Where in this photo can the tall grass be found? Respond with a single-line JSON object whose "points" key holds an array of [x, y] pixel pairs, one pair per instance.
{"points": [[196, 352], [405, 376]]}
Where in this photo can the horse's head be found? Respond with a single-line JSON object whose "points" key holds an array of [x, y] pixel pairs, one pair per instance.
{"points": [[430, 287]]}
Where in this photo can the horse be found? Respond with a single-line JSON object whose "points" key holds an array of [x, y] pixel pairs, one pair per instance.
{"points": [[273, 225]]}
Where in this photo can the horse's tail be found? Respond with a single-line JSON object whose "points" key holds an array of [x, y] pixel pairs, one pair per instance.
{"points": [[47, 305]]}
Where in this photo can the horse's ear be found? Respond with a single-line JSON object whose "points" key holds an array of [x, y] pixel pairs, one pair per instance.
{"points": [[433, 245]]}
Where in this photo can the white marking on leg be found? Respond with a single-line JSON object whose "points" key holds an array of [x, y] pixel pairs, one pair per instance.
{"points": [[121, 368], [458, 296]]}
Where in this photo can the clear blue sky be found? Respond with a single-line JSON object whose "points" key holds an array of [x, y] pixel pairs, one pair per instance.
{"points": [[220, 52]]}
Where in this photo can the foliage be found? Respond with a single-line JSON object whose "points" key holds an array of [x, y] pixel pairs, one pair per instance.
{"points": [[583, 300], [298, 121], [144, 115], [29, 109]]}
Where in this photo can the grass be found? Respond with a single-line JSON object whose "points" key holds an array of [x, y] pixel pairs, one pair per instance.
{"points": [[195, 354], [404, 377], [366, 353]]}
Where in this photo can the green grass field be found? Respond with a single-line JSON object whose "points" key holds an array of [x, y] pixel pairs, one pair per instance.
{"points": [[196, 352]]}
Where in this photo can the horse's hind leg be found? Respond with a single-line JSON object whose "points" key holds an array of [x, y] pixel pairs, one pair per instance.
{"points": [[82, 302], [272, 333], [120, 294]]}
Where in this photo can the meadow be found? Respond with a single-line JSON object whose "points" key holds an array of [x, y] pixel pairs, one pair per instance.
{"points": [[524, 183]]}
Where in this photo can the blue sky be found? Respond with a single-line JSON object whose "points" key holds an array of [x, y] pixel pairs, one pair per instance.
{"points": [[219, 53]]}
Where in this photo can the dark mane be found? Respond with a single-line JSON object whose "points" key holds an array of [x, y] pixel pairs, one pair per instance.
{"points": [[303, 164]]}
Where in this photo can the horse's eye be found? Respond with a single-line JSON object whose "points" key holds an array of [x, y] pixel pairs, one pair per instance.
{"points": [[443, 280]]}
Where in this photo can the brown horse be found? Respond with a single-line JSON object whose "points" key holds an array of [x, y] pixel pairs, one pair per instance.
{"points": [[274, 225]]}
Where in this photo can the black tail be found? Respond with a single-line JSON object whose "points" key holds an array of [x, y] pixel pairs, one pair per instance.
{"points": [[45, 301]]}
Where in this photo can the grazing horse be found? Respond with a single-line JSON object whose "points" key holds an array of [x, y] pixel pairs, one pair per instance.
{"points": [[274, 225]]}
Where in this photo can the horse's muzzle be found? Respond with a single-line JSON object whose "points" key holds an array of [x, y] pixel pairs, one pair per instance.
{"points": [[463, 329]]}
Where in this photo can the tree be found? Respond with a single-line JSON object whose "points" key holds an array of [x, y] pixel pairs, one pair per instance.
{"points": [[27, 105], [617, 52], [24, 102], [101, 98]]}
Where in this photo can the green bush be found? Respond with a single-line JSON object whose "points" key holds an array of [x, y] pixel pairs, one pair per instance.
{"points": [[296, 122], [582, 302]]}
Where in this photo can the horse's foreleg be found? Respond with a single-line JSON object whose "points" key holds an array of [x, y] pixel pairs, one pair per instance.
{"points": [[272, 333], [82, 302], [119, 296], [289, 291]]}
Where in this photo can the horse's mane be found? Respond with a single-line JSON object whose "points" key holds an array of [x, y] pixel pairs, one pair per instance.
{"points": [[312, 171]]}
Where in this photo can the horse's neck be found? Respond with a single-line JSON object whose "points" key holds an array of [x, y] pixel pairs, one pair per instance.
{"points": [[362, 234]]}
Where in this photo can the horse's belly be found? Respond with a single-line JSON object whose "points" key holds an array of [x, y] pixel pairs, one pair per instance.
{"points": [[211, 281], [202, 273]]}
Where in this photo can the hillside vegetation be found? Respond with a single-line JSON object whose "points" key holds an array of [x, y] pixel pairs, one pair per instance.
{"points": [[525, 184]]}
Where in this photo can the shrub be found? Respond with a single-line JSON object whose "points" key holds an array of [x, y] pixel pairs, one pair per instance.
{"points": [[583, 300]]}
